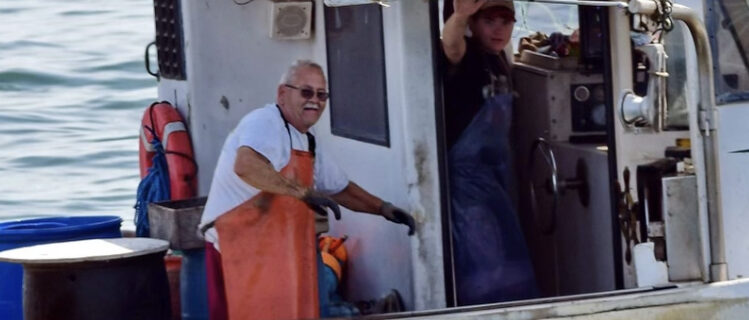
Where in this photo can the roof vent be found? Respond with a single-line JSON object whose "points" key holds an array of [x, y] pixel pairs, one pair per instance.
{"points": [[291, 20]]}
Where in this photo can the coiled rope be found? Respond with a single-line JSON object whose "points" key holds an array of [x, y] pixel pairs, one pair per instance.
{"points": [[153, 188]]}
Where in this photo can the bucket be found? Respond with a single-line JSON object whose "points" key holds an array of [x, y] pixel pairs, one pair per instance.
{"points": [[113, 279], [193, 288], [23, 233]]}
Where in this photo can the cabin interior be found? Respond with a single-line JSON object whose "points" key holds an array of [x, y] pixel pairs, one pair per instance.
{"points": [[604, 177]]}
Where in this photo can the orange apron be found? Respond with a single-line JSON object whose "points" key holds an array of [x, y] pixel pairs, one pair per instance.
{"points": [[268, 251]]}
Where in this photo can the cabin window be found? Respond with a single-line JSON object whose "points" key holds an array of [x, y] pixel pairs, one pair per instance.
{"points": [[169, 43], [729, 30], [356, 71], [677, 94], [547, 18], [532, 18]]}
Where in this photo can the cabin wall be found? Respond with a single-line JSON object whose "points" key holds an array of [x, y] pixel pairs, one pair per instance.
{"points": [[379, 253], [233, 67], [421, 157], [733, 163]]}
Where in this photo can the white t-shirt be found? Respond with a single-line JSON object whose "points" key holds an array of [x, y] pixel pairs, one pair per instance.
{"points": [[263, 130]]}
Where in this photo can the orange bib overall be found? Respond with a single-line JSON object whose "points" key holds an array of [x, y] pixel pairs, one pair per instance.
{"points": [[268, 251]]}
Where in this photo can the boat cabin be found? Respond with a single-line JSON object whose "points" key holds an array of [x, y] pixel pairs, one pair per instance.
{"points": [[629, 151]]}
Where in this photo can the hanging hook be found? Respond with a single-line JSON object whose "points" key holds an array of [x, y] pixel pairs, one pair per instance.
{"points": [[148, 62]]}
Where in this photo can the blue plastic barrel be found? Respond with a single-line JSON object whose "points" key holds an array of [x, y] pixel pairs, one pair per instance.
{"points": [[23, 233], [193, 289]]}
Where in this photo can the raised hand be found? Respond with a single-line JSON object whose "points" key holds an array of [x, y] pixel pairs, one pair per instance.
{"points": [[398, 215], [467, 8]]}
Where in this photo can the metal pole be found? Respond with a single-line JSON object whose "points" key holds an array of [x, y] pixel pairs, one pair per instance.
{"points": [[618, 4]]}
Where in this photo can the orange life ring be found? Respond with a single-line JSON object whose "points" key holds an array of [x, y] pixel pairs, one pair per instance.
{"points": [[166, 122]]}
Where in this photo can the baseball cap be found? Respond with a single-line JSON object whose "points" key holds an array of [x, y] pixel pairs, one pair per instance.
{"points": [[499, 3]]}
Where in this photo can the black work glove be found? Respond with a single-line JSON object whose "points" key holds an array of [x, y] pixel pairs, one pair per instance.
{"points": [[398, 215], [318, 202]]}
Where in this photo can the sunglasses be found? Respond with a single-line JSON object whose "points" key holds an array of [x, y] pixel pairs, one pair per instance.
{"points": [[308, 93]]}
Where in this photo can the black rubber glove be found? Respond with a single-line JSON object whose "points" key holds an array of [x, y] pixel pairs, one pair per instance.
{"points": [[318, 202], [398, 215]]}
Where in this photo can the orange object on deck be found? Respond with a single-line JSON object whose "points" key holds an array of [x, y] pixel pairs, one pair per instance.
{"points": [[268, 252], [334, 246]]}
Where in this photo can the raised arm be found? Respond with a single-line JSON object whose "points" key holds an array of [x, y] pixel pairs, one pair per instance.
{"points": [[453, 41]]}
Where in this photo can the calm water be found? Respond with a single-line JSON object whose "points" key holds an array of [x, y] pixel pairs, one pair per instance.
{"points": [[72, 90]]}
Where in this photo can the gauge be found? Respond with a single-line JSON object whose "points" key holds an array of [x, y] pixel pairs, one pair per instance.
{"points": [[581, 93]]}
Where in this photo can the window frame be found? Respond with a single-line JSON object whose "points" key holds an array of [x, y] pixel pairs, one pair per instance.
{"points": [[383, 138]]}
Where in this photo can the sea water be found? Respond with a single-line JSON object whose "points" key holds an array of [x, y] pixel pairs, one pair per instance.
{"points": [[72, 90]]}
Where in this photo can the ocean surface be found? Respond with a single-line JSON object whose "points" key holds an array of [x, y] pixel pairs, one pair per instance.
{"points": [[72, 90]]}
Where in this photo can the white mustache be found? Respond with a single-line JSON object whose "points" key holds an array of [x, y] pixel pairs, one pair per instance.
{"points": [[311, 106]]}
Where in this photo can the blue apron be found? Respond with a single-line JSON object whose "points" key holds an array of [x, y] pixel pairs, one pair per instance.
{"points": [[492, 263]]}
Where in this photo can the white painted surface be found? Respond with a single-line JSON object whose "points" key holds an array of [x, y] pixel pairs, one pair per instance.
{"points": [[649, 272], [734, 178], [420, 145], [175, 91], [84, 251]]}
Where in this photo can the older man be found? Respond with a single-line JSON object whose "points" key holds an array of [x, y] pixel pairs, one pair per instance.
{"points": [[271, 178]]}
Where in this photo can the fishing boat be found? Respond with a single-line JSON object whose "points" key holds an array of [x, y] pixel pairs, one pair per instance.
{"points": [[630, 153]]}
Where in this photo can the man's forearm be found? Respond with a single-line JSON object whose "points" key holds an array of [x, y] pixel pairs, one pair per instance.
{"points": [[256, 170], [355, 198]]}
